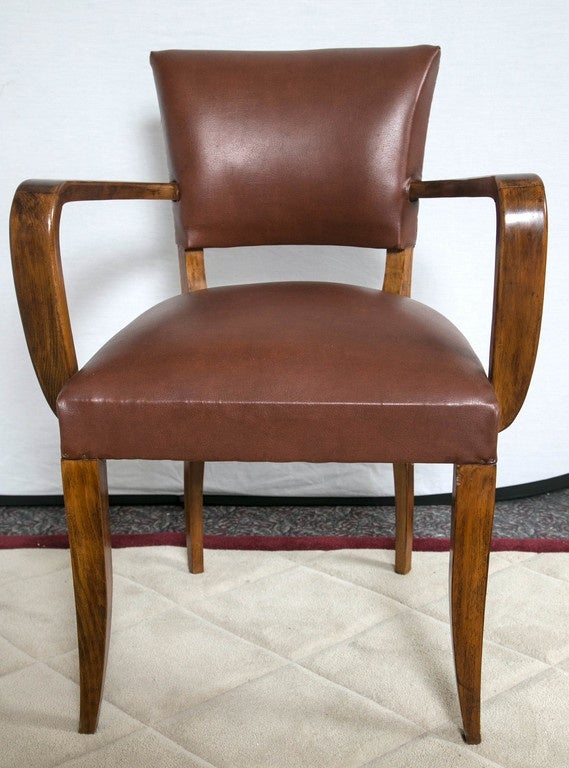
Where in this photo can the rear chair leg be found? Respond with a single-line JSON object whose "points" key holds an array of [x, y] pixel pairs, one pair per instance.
{"points": [[404, 501], [193, 505], [86, 503], [471, 536]]}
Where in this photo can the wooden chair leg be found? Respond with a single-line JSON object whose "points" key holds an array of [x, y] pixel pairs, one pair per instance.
{"points": [[471, 535], [86, 503], [404, 502], [193, 505]]}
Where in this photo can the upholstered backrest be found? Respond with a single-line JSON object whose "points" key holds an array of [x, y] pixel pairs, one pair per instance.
{"points": [[306, 147]]}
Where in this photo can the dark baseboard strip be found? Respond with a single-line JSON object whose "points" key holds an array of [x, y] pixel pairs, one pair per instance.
{"points": [[502, 494]]}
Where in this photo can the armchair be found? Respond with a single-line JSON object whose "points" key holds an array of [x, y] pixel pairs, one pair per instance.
{"points": [[313, 147]]}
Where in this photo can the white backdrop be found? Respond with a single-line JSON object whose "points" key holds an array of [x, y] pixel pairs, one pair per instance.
{"points": [[77, 100]]}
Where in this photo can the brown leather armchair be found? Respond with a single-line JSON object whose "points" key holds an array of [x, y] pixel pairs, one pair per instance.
{"points": [[318, 147]]}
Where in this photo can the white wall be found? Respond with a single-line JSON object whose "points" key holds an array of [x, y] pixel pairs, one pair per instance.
{"points": [[77, 100]]}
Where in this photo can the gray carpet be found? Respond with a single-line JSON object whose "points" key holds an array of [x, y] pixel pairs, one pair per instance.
{"points": [[538, 517]]}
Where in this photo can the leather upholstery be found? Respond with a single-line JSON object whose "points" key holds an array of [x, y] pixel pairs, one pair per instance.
{"points": [[305, 147], [283, 372]]}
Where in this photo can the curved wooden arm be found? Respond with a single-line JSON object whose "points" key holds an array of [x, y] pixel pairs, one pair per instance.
{"points": [[521, 247], [36, 262]]}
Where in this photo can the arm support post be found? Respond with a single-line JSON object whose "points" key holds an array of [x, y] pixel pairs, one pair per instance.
{"points": [[521, 247], [36, 261]]}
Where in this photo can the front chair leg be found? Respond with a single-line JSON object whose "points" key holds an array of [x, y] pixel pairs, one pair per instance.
{"points": [[193, 505], [471, 536], [404, 502], [86, 504]]}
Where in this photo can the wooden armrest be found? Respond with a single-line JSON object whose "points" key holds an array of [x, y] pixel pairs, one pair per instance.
{"points": [[521, 247], [36, 262]]}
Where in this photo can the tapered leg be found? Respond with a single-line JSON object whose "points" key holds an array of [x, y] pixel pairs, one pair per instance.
{"points": [[404, 502], [471, 535], [193, 505], [86, 504]]}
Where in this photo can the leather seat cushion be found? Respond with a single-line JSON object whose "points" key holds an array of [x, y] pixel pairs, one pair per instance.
{"points": [[294, 371]]}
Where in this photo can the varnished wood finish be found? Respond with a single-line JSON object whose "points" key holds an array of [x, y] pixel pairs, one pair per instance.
{"points": [[471, 535], [86, 504], [193, 278], [192, 270], [521, 247], [518, 292], [193, 505], [397, 279], [404, 504], [34, 240], [398, 271]]}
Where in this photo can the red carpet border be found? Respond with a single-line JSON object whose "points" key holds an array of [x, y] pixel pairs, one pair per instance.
{"points": [[281, 543]]}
